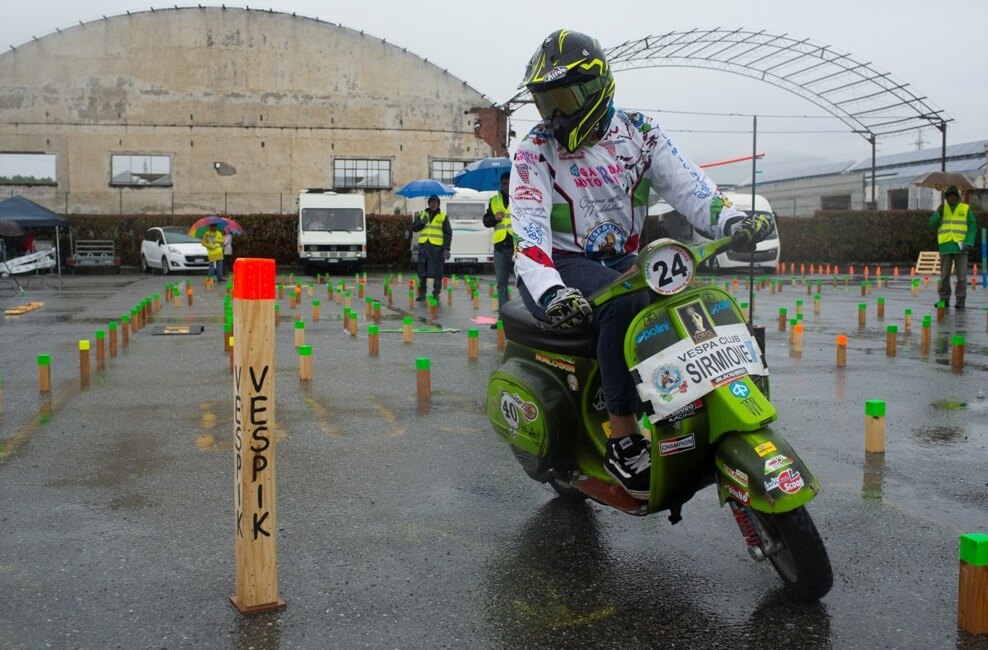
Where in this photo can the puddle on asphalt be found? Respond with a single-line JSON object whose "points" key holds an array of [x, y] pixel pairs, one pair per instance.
{"points": [[939, 435]]}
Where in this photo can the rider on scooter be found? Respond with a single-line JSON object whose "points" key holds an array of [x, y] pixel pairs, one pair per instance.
{"points": [[579, 192]]}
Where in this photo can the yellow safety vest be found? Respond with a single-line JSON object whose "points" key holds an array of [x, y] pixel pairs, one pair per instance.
{"points": [[503, 227], [953, 225], [433, 231], [213, 242]]}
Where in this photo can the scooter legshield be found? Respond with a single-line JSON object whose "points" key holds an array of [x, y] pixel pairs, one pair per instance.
{"points": [[760, 469]]}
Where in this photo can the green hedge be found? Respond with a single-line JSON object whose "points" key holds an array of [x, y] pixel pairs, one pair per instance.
{"points": [[837, 237], [270, 236], [860, 236]]}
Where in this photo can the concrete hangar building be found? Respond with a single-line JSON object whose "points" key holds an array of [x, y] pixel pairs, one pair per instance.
{"points": [[209, 109]]}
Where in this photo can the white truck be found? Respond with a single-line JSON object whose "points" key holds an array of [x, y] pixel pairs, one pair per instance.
{"points": [[767, 252], [473, 244], [332, 229]]}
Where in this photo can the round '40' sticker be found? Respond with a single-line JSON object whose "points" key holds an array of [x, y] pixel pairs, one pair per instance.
{"points": [[669, 269]]}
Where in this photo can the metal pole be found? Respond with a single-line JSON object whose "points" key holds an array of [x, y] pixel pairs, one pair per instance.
{"points": [[874, 204], [984, 260], [754, 171], [943, 146]]}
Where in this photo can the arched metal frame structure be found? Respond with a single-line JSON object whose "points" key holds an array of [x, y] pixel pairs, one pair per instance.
{"points": [[869, 102]]}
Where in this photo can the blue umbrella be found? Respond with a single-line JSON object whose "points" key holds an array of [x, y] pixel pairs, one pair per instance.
{"points": [[483, 175], [425, 187]]}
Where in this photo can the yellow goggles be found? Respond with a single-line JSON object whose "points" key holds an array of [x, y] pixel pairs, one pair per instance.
{"points": [[567, 100]]}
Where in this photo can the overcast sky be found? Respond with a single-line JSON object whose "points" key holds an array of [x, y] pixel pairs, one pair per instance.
{"points": [[935, 47]]}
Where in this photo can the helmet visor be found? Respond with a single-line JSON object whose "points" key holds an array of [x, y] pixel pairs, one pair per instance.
{"points": [[566, 100]]}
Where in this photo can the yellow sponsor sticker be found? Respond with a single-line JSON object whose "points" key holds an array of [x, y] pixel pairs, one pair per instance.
{"points": [[765, 449]]}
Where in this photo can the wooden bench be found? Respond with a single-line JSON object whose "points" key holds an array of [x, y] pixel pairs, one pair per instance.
{"points": [[928, 263]]}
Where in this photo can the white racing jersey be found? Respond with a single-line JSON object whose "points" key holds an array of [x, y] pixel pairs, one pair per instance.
{"points": [[594, 201]]}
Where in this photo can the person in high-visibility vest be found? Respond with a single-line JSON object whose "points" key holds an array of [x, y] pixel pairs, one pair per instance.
{"points": [[212, 241], [435, 238], [956, 229], [498, 217]]}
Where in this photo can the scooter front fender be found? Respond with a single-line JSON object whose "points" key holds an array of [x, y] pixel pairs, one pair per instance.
{"points": [[761, 470]]}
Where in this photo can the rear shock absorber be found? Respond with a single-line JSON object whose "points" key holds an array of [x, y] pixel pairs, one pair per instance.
{"points": [[743, 518]]}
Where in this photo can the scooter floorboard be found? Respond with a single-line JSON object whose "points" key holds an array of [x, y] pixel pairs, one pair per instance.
{"points": [[612, 495]]}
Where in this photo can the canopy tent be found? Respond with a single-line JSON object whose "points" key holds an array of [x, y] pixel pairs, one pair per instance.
{"points": [[28, 214]]}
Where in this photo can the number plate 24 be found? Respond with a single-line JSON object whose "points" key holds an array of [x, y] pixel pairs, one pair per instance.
{"points": [[669, 269]]}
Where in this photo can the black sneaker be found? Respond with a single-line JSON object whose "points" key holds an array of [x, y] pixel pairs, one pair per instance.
{"points": [[960, 305], [420, 297], [628, 460]]}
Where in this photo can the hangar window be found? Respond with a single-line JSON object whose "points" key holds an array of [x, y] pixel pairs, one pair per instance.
{"points": [[370, 174], [145, 170], [899, 199], [27, 169], [445, 170], [837, 202]]}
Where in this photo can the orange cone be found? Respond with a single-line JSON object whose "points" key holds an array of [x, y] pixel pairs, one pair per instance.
{"points": [[851, 270]]}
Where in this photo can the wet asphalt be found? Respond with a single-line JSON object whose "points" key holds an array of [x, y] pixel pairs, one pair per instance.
{"points": [[410, 527]]}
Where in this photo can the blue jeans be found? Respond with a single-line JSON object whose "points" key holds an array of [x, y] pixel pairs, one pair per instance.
{"points": [[503, 266], [612, 320], [216, 269]]}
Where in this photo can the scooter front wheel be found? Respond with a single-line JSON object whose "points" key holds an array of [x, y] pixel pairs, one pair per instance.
{"points": [[797, 552]]}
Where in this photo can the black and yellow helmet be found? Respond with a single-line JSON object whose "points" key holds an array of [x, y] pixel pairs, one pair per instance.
{"points": [[571, 85]]}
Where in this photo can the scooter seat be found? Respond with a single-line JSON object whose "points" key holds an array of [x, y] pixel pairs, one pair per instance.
{"points": [[525, 329]]}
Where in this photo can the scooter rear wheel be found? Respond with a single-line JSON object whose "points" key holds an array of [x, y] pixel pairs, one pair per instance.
{"points": [[565, 492], [801, 561]]}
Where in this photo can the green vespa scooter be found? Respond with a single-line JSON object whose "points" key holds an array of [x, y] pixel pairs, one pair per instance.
{"points": [[703, 388]]}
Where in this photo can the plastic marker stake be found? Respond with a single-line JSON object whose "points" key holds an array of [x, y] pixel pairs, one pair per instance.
{"points": [[957, 352], [255, 520], [972, 594], [305, 363], [84, 362], [875, 426], [423, 386], [841, 350], [44, 373], [473, 344]]}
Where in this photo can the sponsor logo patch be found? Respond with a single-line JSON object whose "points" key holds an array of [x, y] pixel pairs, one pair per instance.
{"points": [[676, 445], [740, 477], [765, 449], [775, 463], [739, 495]]}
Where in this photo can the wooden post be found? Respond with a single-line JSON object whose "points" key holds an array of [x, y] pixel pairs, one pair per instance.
{"points": [[473, 344], [797, 344], [84, 363], [881, 308], [423, 384], [346, 299], [368, 308], [277, 314], [782, 319], [406, 330], [315, 311], [908, 320], [188, 295], [305, 363], [310, 289], [353, 323], [841, 350], [112, 327], [799, 307], [255, 515], [449, 296], [229, 347], [972, 596], [156, 304], [862, 314], [957, 352], [925, 336], [500, 334], [372, 340], [299, 333], [44, 373], [125, 330], [816, 304], [100, 349], [941, 311], [292, 297], [875, 426], [433, 308], [914, 287], [227, 333], [376, 311], [476, 299], [891, 333], [792, 330]]}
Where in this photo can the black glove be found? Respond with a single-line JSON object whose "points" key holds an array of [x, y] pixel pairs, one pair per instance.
{"points": [[567, 308], [446, 255], [749, 232]]}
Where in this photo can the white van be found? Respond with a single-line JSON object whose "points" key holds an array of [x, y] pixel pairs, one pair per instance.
{"points": [[332, 229], [767, 252], [473, 244]]}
